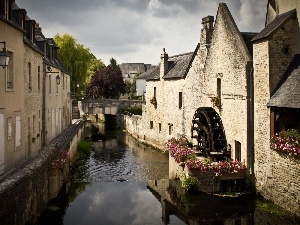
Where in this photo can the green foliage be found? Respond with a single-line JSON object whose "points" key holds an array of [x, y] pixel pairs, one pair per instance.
{"points": [[216, 101], [94, 65], [132, 110], [270, 207], [153, 101], [132, 91], [78, 59], [84, 149], [190, 183], [128, 87], [113, 62]]}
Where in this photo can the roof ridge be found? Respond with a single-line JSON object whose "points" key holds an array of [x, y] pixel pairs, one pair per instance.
{"points": [[181, 54]]}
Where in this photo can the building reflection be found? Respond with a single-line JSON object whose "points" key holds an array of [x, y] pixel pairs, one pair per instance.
{"points": [[200, 208]]}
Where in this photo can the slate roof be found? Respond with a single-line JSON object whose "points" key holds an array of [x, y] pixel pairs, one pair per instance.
{"points": [[248, 36], [287, 95], [178, 67], [149, 73], [274, 25]]}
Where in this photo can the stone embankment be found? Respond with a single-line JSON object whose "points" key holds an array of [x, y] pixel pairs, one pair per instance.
{"points": [[25, 191]]}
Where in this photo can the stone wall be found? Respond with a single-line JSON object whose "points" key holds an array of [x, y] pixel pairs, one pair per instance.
{"points": [[282, 184], [25, 192], [33, 92], [229, 61], [277, 175]]}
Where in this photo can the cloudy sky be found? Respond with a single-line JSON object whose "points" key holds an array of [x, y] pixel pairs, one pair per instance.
{"points": [[136, 31]]}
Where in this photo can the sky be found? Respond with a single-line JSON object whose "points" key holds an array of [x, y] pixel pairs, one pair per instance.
{"points": [[136, 31]]}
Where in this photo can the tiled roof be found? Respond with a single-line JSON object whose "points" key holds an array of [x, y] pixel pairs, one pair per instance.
{"points": [[178, 67], [287, 95], [275, 24]]}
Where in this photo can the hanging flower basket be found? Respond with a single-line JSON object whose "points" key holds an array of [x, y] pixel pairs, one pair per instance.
{"points": [[216, 101], [287, 142], [153, 102]]}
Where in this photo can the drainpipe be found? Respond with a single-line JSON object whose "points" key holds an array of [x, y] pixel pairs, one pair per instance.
{"points": [[43, 133], [250, 122]]}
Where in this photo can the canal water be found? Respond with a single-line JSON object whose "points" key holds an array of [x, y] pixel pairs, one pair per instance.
{"points": [[124, 182]]}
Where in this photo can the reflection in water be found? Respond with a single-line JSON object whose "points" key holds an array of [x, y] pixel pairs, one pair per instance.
{"points": [[121, 158], [98, 195]]}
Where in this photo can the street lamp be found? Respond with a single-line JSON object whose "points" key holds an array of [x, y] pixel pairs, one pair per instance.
{"points": [[58, 80], [4, 56]]}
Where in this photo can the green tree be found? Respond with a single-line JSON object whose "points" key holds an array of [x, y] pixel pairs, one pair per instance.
{"points": [[132, 92], [94, 65], [78, 59]]}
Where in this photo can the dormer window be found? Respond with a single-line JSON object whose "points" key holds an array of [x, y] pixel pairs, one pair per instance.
{"points": [[32, 32]]}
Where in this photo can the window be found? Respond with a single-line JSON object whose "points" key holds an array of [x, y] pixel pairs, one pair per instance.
{"points": [[151, 124], [159, 127], [49, 84], [56, 87], [18, 132], [180, 100], [238, 150], [29, 77], [63, 81], [39, 78], [34, 126], [9, 128], [10, 72], [219, 87], [170, 129]]}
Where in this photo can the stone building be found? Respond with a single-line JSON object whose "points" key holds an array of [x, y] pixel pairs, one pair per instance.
{"points": [[131, 70], [277, 102], [12, 115], [25, 94], [219, 67]]}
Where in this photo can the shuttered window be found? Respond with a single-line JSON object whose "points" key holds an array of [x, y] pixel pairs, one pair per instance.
{"points": [[18, 131]]}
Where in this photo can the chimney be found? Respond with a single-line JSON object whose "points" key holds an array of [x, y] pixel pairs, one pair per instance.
{"points": [[38, 29], [205, 38], [163, 63], [206, 31]]}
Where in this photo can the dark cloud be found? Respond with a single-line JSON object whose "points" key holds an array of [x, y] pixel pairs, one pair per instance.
{"points": [[137, 29]]}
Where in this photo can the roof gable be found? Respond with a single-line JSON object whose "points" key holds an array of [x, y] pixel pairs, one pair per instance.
{"points": [[278, 22], [178, 67], [231, 27]]}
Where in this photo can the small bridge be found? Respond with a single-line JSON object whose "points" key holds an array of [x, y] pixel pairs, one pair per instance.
{"points": [[103, 106]]}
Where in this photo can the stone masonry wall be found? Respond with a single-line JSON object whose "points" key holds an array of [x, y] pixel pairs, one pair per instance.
{"points": [[25, 193], [277, 175], [283, 184], [282, 50], [227, 60], [32, 134]]}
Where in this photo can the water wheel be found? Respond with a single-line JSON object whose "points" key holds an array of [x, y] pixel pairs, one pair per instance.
{"points": [[208, 134]]}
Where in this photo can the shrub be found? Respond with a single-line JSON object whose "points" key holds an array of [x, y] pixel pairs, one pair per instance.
{"points": [[191, 184], [132, 110], [84, 149]]}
